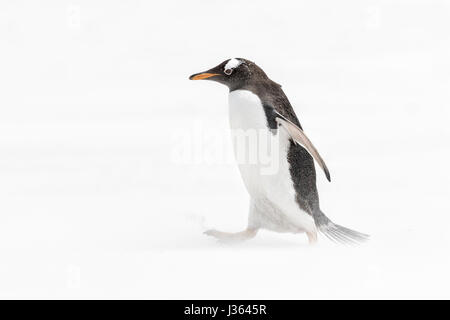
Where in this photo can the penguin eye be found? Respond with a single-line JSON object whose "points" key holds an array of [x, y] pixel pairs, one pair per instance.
{"points": [[228, 71]]}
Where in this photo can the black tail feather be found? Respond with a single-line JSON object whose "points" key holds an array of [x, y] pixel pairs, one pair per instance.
{"points": [[336, 232]]}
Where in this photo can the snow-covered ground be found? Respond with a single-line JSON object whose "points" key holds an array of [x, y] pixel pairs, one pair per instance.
{"points": [[95, 106]]}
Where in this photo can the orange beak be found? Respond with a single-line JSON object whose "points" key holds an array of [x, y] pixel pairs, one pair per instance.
{"points": [[203, 75]]}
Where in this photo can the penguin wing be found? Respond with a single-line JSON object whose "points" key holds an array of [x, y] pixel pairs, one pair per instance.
{"points": [[300, 138]]}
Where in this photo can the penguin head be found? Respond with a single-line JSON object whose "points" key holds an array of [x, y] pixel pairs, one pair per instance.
{"points": [[235, 73]]}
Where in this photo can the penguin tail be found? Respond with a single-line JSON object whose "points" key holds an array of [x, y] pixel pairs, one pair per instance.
{"points": [[337, 233]]}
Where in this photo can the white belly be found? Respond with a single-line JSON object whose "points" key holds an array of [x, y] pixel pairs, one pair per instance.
{"points": [[262, 161]]}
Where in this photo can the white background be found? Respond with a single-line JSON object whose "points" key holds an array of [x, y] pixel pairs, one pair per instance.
{"points": [[93, 203]]}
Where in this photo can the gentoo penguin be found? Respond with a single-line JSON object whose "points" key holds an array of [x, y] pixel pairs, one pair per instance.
{"points": [[284, 199]]}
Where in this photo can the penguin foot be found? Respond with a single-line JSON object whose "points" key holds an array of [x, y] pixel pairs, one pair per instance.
{"points": [[312, 237], [232, 236]]}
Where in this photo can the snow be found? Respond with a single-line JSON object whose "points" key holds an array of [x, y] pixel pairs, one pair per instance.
{"points": [[94, 205]]}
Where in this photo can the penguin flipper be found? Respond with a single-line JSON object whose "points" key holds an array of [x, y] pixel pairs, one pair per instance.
{"points": [[300, 138]]}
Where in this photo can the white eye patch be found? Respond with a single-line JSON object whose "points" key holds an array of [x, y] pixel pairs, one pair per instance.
{"points": [[231, 64]]}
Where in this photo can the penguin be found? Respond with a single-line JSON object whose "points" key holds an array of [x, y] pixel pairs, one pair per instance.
{"points": [[286, 199]]}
